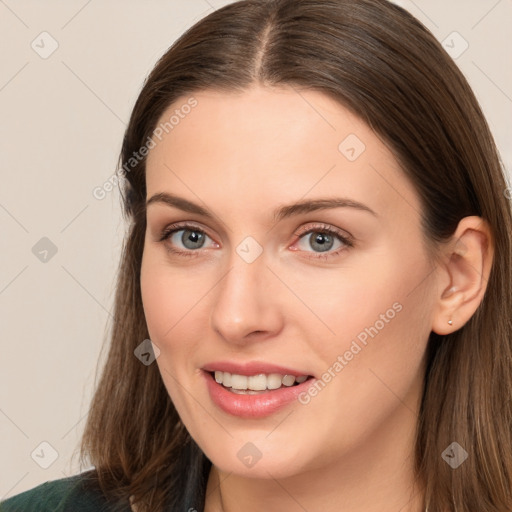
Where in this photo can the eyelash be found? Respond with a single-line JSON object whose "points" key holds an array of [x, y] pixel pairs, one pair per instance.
{"points": [[347, 241]]}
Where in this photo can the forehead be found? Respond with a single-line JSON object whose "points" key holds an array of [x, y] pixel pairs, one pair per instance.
{"points": [[272, 145]]}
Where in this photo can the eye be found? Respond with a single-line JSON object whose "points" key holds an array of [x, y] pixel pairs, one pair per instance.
{"points": [[322, 239], [184, 239]]}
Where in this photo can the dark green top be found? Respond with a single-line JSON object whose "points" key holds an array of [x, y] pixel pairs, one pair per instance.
{"points": [[81, 493], [71, 494]]}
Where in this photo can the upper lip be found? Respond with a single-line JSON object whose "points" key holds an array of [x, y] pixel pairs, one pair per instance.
{"points": [[252, 368]]}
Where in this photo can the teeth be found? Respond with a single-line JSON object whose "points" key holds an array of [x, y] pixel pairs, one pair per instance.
{"points": [[258, 382], [238, 381], [288, 380], [274, 381]]}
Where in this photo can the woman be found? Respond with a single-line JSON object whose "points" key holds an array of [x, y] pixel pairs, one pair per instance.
{"points": [[314, 301]]}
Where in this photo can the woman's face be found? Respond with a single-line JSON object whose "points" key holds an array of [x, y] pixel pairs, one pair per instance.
{"points": [[247, 284]]}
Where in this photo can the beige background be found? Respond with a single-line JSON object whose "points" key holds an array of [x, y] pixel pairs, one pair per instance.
{"points": [[62, 122]]}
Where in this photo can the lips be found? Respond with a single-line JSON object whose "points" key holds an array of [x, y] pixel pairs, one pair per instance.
{"points": [[246, 403], [253, 368]]}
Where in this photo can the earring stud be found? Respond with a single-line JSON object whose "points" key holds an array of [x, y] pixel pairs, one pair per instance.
{"points": [[450, 322]]}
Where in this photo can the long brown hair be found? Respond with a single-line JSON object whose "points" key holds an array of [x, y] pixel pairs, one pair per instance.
{"points": [[376, 59]]}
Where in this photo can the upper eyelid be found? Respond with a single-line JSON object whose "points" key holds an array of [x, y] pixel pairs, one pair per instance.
{"points": [[322, 226], [178, 226]]}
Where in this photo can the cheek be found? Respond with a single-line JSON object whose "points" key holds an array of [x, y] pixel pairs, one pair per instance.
{"points": [[176, 308], [157, 301], [383, 333], [378, 315], [336, 306], [163, 306], [168, 307]]}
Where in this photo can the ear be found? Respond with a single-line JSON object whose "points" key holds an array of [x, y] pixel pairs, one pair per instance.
{"points": [[463, 274]]}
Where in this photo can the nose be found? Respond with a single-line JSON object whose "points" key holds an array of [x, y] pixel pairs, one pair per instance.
{"points": [[246, 303]]}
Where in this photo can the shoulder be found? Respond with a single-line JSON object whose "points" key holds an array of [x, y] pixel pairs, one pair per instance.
{"points": [[71, 494]]}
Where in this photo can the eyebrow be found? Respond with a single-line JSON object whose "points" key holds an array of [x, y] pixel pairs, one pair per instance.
{"points": [[279, 214]]}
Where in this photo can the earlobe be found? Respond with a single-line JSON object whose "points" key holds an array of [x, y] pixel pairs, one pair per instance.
{"points": [[463, 275], [445, 319]]}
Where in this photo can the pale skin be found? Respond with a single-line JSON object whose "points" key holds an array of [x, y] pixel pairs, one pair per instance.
{"points": [[240, 156]]}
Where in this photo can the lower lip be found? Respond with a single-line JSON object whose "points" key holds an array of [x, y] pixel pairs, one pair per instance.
{"points": [[253, 406]]}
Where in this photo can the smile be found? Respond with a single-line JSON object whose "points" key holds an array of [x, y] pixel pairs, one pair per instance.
{"points": [[274, 392]]}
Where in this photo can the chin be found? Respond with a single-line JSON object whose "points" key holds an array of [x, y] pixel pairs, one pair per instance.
{"points": [[259, 458]]}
